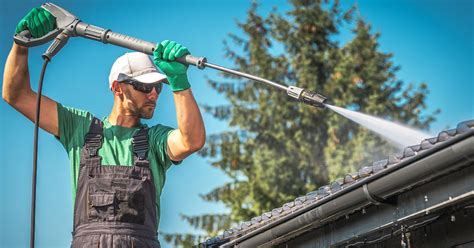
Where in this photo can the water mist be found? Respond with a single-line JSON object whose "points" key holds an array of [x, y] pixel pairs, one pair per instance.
{"points": [[397, 134]]}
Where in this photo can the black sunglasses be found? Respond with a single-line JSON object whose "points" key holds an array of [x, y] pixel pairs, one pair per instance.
{"points": [[137, 85], [143, 87]]}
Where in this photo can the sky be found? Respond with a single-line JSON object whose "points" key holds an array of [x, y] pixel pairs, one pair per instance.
{"points": [[432, 41]]}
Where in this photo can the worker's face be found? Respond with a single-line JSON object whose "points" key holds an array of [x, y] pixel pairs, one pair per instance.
{"points": [[137, 103]]}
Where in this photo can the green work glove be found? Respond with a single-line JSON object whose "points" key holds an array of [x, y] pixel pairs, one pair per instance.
{"points": [[39, 21], [164, 55]]}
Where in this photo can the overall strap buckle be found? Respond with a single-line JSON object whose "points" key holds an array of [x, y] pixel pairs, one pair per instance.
{"points": [[93, 139], [140, 143]]}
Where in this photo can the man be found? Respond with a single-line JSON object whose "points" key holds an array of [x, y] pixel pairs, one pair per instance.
{"points": [[118, 164]]}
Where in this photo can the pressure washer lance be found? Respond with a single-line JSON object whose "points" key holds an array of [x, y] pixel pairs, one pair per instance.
{"points": [[69, 25]]}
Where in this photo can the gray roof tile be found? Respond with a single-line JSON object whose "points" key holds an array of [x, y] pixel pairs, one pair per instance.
{"points": [[277, 211], [289, 205], [465, 126], [300, 200], [246, 224], [452, 132], [313, 195], [394, 159], [365, 171], [426, 144], [408, 152], [379, 165], [350, 178], [324, 191], [443, 136], [337, 185], [256, 220], [266, 216], [416, 148]]}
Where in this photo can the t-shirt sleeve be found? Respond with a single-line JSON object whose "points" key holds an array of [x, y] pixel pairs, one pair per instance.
{"points": [[73, 125], [158, 143]]}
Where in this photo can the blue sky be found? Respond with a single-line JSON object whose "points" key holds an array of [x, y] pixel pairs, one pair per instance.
{"points": [[432, 41]]}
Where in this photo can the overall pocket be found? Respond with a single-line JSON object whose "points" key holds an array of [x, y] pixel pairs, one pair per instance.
{"points": [[101, 206], [116, 200]]}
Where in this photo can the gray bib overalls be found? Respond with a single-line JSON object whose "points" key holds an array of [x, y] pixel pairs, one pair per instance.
{"points": [[115, 205]]}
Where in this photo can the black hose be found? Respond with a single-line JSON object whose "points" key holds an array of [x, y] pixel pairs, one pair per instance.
{"points": [[35, 154]]}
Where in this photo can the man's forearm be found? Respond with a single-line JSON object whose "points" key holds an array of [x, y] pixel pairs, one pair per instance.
{"points": [[16, 78], [190, 123]]}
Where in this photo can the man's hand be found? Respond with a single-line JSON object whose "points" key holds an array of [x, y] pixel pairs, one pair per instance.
{"points": [[163, 57], [38, 21]]}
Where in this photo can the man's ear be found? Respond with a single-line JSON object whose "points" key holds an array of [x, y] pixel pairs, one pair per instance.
{"points": [[116, 89]]}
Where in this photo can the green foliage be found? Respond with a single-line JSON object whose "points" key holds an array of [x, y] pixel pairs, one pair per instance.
{"points": [[181, 240], [210, 223], [285, 149]]}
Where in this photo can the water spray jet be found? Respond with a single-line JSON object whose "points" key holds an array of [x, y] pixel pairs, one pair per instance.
{"points": [[399, 135]]}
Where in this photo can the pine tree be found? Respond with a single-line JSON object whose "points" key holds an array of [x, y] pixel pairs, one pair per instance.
{"points": [[283, 149]]}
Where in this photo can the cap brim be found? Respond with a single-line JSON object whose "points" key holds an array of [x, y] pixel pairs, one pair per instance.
{"points": [[152, 77]]}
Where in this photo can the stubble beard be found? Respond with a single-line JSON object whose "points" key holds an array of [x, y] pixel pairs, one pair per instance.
{"points": [[147, 112]]}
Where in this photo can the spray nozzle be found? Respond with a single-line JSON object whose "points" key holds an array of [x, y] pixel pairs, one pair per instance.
{"points": [[306, 96]]}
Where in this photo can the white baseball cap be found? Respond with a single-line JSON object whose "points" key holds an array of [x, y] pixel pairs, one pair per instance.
{"points": [[138, 66]]}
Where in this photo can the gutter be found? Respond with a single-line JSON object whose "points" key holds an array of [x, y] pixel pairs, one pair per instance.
{"points": [[440, 159]]}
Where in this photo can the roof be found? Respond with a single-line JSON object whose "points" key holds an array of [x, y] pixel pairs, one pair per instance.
{"points": [[332, 191]]}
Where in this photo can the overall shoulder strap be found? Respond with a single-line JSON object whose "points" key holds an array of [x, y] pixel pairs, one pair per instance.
{"points": [[92, 144], [140, 147]]}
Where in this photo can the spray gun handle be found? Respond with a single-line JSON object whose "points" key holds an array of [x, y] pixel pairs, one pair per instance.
{"points": [[64, 20], [24, 38], [58, 43]]}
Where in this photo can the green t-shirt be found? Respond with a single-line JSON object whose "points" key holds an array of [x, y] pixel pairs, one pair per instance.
{"points": [[116, 148]]}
